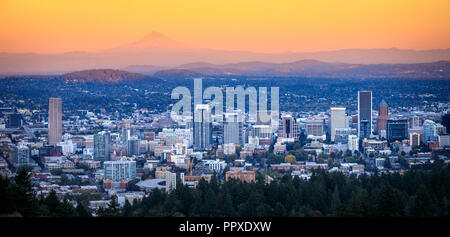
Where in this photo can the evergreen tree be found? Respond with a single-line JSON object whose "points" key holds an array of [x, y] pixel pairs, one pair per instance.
{"points": [[335, 201], [389, 202], [422, 205], [127, 209], [24, 197], [6, 191], [387, 163], [354, 206], [228, 209], [81, 211]]}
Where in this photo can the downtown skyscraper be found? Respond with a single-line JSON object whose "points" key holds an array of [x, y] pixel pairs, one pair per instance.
{"points": [[338, 120], [102, 146], [364, 114], [54, 121], [233, 129], [202, 127], [430, 133], [288, 128], [382, 118]]}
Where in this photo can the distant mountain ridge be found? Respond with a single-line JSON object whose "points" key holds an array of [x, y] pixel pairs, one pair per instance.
{"points": [[314, 68], [302, 68], [177, 73], [161, 51], [102, 75]]}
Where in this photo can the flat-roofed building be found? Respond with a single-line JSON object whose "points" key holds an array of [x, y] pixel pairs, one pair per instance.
{"points": [[119, 169], [338, 120], [288, 128], [314, 128], [243, 176]]}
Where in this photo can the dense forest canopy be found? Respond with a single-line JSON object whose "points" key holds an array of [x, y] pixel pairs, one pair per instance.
{"points": [[417, 192]]}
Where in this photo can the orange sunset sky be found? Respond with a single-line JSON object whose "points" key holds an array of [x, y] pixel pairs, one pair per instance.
{"points": [[54, 26]]}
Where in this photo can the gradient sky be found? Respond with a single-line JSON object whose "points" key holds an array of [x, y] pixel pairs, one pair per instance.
{"points": [[54, 26]]}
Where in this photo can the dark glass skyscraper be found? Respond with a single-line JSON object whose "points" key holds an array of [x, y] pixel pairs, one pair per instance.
{"points": [[364, 114], [102, 146], [397, 129], [14, 121], [446, 121]]}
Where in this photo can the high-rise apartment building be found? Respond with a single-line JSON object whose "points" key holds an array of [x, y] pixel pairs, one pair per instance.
{"points": [[23, 155], [119, 169], [172, 178], [353, 143]]}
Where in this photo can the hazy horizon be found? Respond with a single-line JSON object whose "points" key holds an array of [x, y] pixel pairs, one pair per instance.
{"points": [[189, 46]]}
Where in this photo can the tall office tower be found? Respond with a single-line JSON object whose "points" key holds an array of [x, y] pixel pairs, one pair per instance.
{"points": [[338, 119], [54, 121], [397, 129], [133, 146], [102, 146], [202, 127], [429, 131], [364, 114], [353, 143], [23, 155], [126, 132], [233, 131], [288, 127], [383, 116], [119, 169]]}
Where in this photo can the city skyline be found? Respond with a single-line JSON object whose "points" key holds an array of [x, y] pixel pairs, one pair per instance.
{"points": [[123, 150], [287, 109]]}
